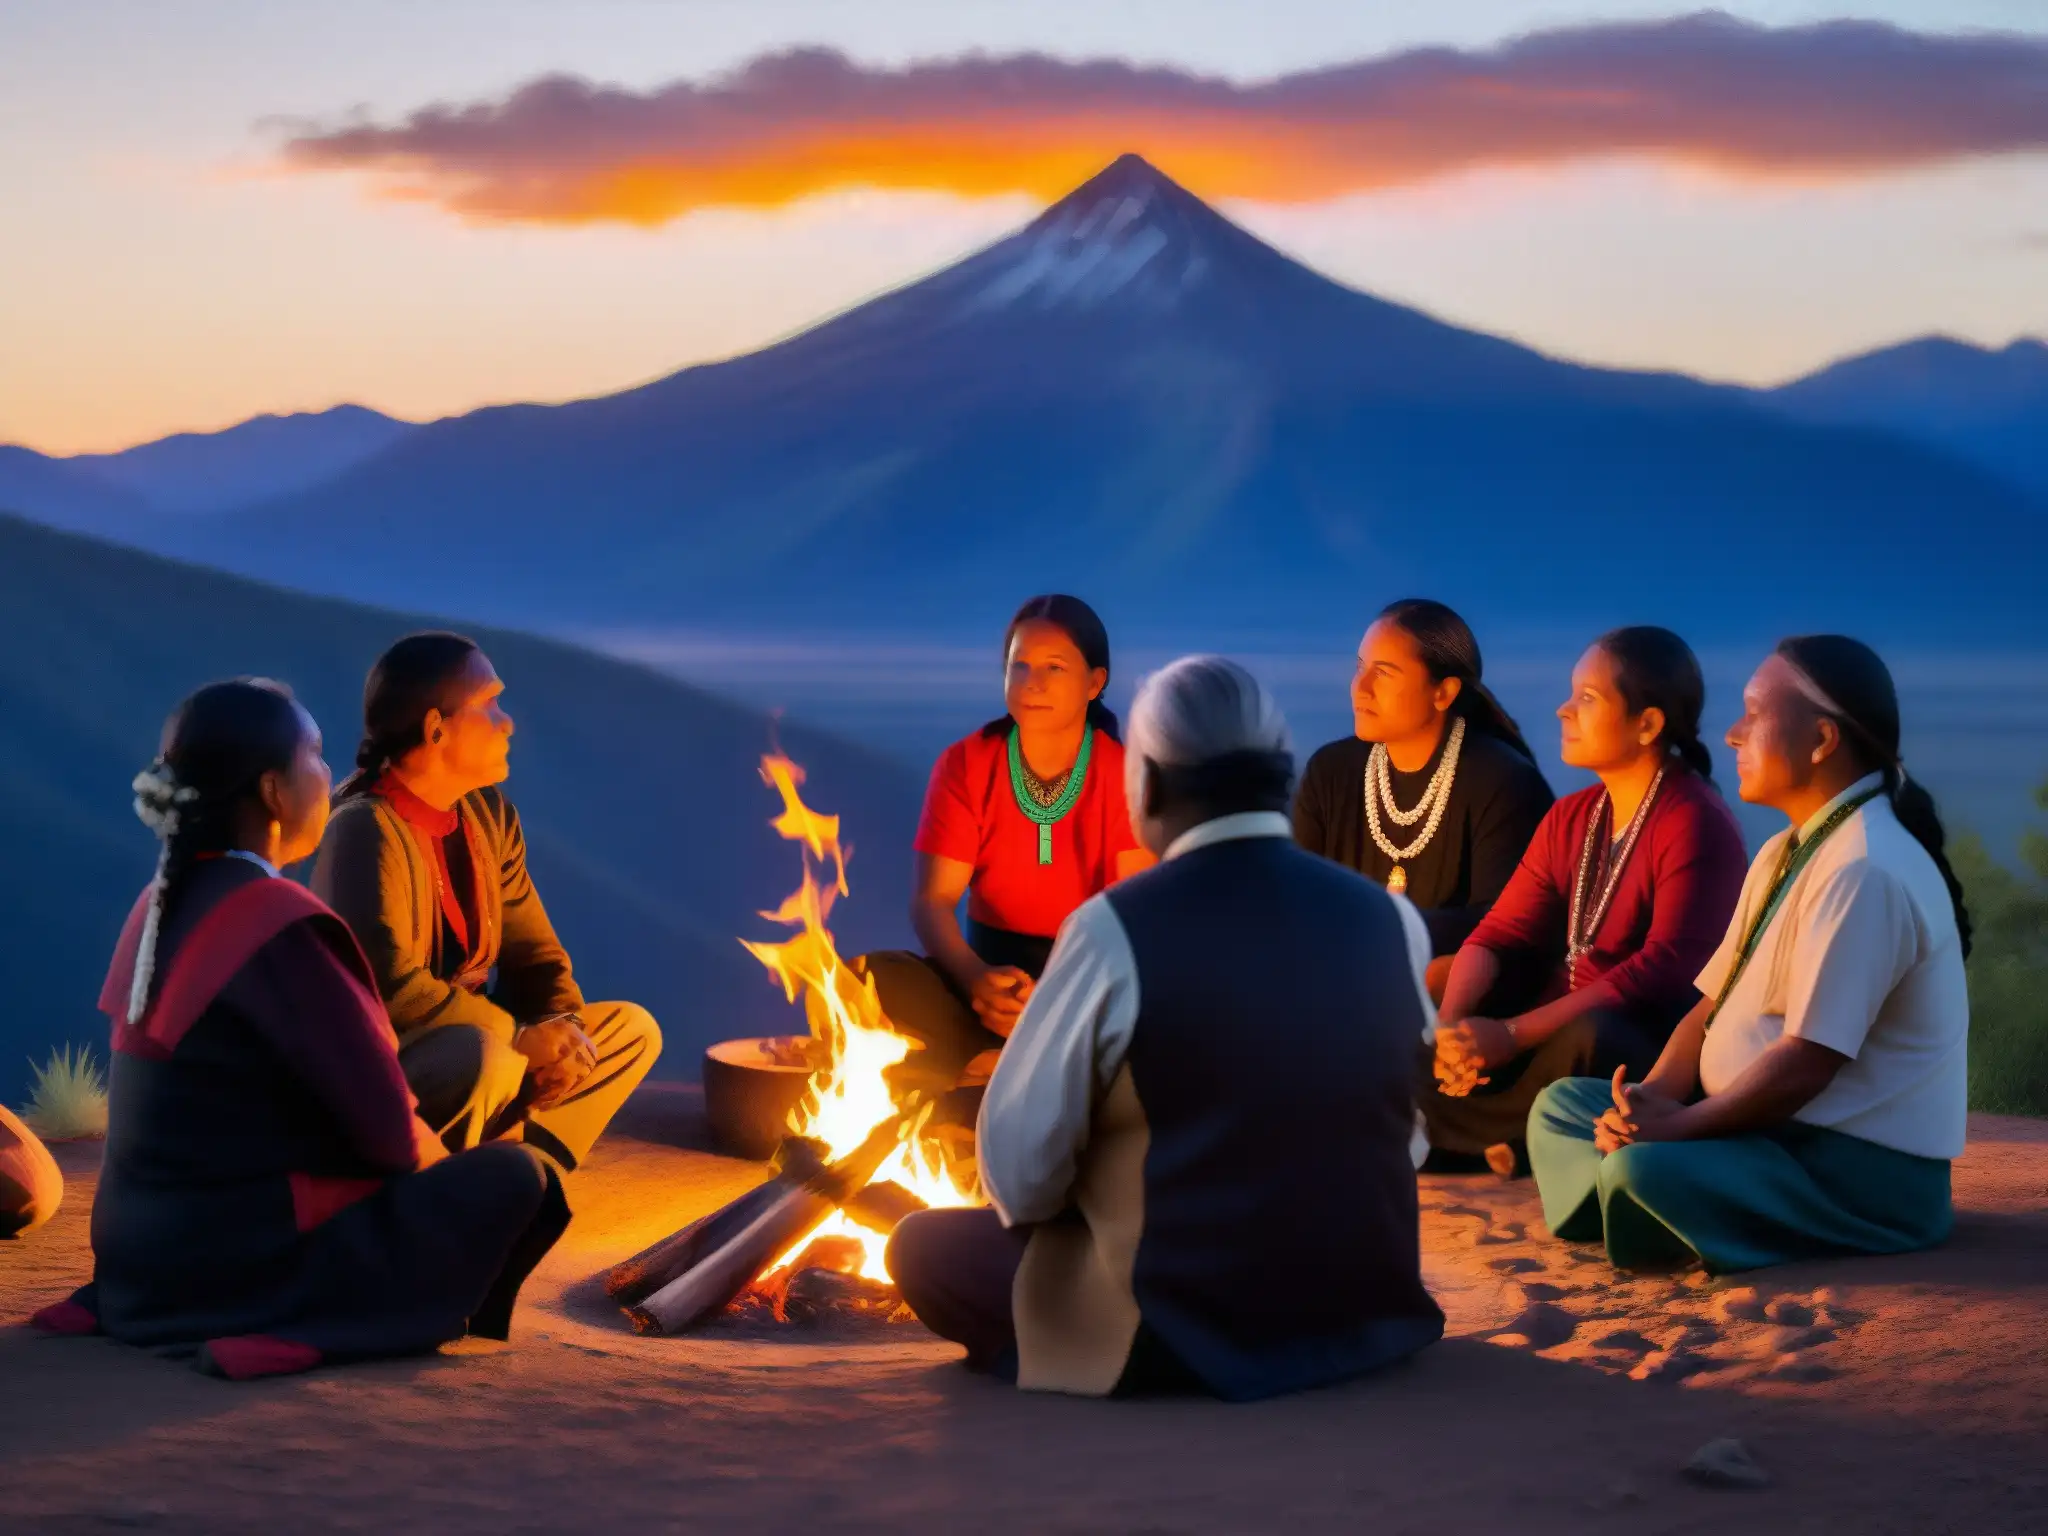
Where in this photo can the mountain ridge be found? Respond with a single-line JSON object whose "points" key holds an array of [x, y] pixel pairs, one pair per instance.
{"points": [[1986, 404]]}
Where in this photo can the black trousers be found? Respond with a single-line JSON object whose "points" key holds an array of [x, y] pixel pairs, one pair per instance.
{"points": [[923, 1002], [956, 1270]]}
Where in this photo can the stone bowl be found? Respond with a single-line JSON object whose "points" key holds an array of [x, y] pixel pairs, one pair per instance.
{"points": [[750, 1087]]}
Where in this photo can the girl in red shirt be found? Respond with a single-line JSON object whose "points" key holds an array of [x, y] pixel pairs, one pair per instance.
{"points": [[1026, 819]]}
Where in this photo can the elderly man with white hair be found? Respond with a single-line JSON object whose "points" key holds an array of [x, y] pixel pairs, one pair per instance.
{"points": [[1197, 1142]]}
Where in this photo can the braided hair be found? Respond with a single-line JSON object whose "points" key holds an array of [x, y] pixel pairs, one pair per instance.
{"points": [[1082, 625], [419, 673], [1448, 648], [1849, 684], [1654, 669], [217, 745]]}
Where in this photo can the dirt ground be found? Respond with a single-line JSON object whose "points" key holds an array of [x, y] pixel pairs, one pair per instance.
{"points": [[1881, 1395]]}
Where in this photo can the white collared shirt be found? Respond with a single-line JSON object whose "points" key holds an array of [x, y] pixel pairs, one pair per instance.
{"points": [[1863, 957], [1072, 1038]]}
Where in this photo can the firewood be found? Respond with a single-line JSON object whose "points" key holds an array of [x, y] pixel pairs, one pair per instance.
{"points": [[880, 1206], [744, 1237], [799, 1158]]}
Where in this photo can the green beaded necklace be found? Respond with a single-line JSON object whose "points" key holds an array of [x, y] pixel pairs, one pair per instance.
{"points": [[1047, 815], [1791, 860]]}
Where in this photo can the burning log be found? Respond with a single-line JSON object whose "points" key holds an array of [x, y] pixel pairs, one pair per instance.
{"points": [[733, 1245], [799, 1159], [881, 1206]]}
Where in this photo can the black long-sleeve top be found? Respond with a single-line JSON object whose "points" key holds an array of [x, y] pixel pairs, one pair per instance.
{"points": [[1496, 801]]}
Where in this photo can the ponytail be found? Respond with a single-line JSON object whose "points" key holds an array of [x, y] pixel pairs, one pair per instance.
{"points": [[160, 802], [1654, 669], [1483, 712], [1103, 719], [1917, 813], [1448, 648], [1849, 683], [419, 673], [217, 746]]}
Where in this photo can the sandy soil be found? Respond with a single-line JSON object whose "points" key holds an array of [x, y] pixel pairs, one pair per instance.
{"points": [[1887, 1395]]}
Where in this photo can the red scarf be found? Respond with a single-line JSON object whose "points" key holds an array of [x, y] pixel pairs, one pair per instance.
{"points": [[435, 827]]}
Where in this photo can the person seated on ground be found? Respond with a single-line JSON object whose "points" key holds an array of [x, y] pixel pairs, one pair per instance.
{"points": [[1196, 1141], [31, 1185], [1436, 794], [1812, 1103], [1026, 819], [269, 1198], [426, 861], [1586, 963]]}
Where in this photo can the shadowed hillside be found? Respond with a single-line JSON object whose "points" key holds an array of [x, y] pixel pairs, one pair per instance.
{"points": [[644, 811]]}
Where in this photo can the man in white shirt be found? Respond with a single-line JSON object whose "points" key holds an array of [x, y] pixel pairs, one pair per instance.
{"points": [[1813, 1100], [1208, 1097]]}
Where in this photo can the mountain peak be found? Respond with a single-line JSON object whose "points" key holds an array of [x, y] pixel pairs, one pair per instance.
{"points": [[1128, 175], [1130, 232]]}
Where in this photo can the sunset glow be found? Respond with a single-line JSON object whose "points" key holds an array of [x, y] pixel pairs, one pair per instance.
{"points": [[1829, 101]]}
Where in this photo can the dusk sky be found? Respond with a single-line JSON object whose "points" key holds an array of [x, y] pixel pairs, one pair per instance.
{"points": [[215, 208]]}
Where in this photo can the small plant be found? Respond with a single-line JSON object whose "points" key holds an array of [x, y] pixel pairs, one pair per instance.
{"points": [[69, 1099]]}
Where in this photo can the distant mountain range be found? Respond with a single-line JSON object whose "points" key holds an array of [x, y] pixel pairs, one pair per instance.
{"points": [[125, 494], [1136, 399], [646, 818], [1989, 407]]}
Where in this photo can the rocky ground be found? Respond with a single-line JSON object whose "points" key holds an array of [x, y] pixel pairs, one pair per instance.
{"points": [[1889, 1395]]}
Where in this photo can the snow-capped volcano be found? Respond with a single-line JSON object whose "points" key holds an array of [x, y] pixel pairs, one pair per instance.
{"points": [[1134, 399], [1129, 232]]}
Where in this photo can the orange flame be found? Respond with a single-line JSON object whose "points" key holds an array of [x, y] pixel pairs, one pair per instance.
{"points": [[848, 1096]]}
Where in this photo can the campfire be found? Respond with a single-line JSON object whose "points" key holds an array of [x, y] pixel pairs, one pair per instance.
{"points": [[856, 1160]]}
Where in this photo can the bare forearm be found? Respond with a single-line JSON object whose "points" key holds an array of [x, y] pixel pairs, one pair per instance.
{"points": [[1677, 1072], [1775, 1087], [1473, 973], [1540, 1023], [938, 930]]}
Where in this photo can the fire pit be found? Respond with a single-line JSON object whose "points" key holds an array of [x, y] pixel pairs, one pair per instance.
{"points": [[851, 1160]]}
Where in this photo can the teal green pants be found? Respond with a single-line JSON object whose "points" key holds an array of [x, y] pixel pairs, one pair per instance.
{"points": [[1738, 1202]]}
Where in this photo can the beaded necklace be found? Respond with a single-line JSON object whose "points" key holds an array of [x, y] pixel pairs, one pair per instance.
{"points": [[1045, 791], [1584, 924], [1793, 858], [1436, 796], [1044, 813]]}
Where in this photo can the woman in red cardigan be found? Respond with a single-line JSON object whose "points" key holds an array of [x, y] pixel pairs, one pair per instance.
{"points": [[1587, 960]]}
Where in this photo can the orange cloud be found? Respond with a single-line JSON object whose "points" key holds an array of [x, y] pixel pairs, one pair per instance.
{"points": [[1833, 100]]}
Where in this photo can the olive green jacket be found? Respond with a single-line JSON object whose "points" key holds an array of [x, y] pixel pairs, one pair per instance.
{"points": [[373, 870]]}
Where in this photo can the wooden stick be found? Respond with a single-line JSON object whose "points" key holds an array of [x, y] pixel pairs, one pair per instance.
{"points": [[799, 1158], [753, 1230]]}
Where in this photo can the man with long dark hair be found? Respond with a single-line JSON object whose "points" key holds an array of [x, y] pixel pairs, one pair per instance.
{"points": [[1812, 1102], [426, 861]]}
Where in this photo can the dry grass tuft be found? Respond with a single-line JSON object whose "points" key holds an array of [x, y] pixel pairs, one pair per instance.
{"points": [[69, 1099]]}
